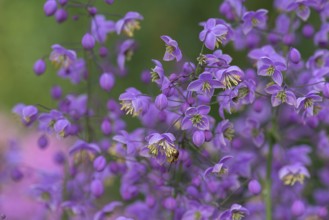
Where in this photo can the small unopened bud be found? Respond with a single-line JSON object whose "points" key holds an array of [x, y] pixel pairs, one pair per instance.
{"points": [[161, 101], [110, 2], [88, 41], [107, 81], [97, 188], [50, 7], [254, 187], [298, 208], [308, 30], [106, 127], [39, 67], [198, 138], [92, 11], [61, 15], [294, 55], [43, 141], [169, 203], [99, 163], [103, 52], [56, 92]]}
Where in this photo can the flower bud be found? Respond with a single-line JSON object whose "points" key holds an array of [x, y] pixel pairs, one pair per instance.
{"points": [[16, 174], [146, 77], [325, 90], [61, 15], [308, 30], [103, 52], [294, 55], [88, 41], [254, 187], [59, 158], [169, 203], [198, 138], [50, 7], [298, 208], [106, 127], [92, 11], [208, 135], [150, 201], [56, 92], [62, 2], [106, 81], [39, 67], [99, 163], [161, 101], [97, 188], [190, 100], [43, 141], [288, 39], [110, 2], [258, 106]]}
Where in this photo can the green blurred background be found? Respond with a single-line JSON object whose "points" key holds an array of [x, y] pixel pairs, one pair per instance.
{"points": [[26, 35]]}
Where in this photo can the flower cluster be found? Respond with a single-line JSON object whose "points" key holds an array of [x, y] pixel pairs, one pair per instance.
{"points": [[265, 122]]}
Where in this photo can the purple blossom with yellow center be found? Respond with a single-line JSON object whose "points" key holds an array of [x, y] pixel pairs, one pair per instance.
{"points": [[81, 150], [157, 73], [129, 23], [301, 7], [126, 51], [133, 102], [27, 113], [206, 84], [281, 95], [172, 49], [162, 146], [230, 77], [267, 67], [236, 212], [196, 117], [291, 174], [252, 19], [224, 134], [213, 34], [62, 57], [219, 168], [306, 105]]}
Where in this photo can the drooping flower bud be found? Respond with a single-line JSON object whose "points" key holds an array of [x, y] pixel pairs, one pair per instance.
{"points": [[308, 30], [88, 41], [110, 2], [92, 11], [61, 15], [62, 2], [198, 138], [294, 55], [106, 127], [298, 208], [97, 188], [39, 67], [161, 101], [146, 77], [43, 141], [16, 174], [56, 92], [103, 52], [99, 163], [169, 203], [50, 7], [254, 187], [208, 135], [106, 81]]}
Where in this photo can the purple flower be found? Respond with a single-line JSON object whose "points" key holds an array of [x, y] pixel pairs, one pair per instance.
{"points": [[219, 168], [50, 7], [81, 147], [88, 41], [218, 59], [76, 71], [252, 130], [172, 49], [129, 23], [130, 140], [62, 57], [162, 146], [157, 73], [205, 84], [230, 77], [47, 120], [224, 134], [61, 127], [281, 95], [97, 188], [291, 174], [253, 19], [100, 28], [301, 8], [107, 81], [107, 209], [27, 113], [237, 212], [266, 67], [134, 102], [306, 104], [213, 34], [196, 117], [126, 51]]}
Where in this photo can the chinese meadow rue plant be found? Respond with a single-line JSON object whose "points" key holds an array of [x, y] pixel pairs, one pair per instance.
{"points": [[224, 137]]}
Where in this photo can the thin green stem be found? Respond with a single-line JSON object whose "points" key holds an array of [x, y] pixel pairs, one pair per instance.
{"points": [[268, 183]]}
